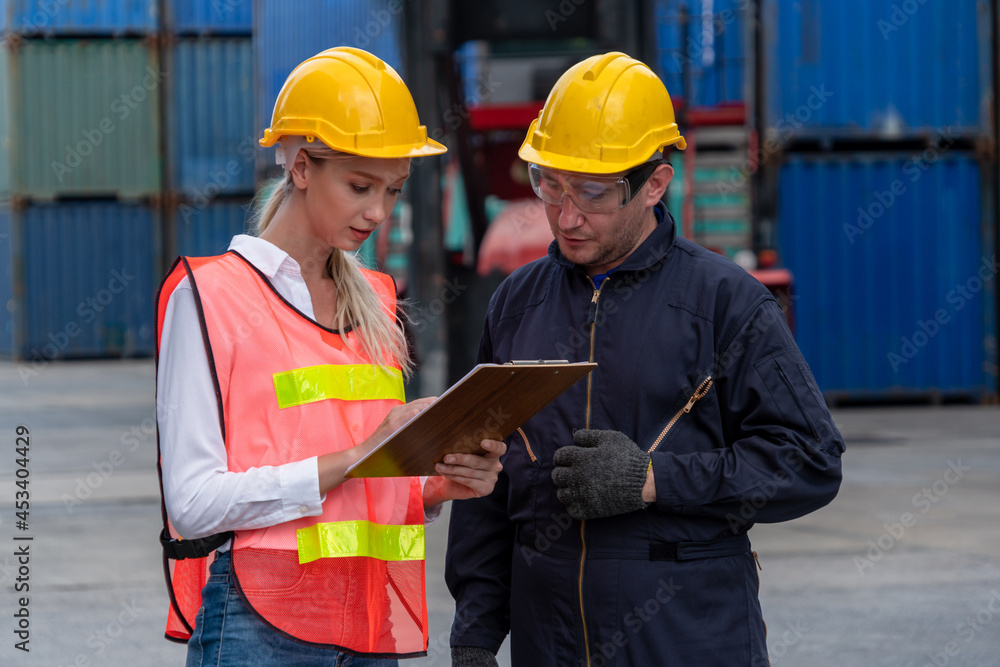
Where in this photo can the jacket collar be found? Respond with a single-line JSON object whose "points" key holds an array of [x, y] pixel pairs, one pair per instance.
{"points": [[650, 251]]}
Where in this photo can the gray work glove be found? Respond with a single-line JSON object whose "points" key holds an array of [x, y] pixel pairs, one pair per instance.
{"points": [[472, 656], [603, 476]]}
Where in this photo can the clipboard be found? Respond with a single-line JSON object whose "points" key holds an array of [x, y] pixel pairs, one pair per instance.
{"points": [[489, 403]]}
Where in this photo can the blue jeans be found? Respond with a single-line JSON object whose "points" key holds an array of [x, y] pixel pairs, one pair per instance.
{"points": [[227, 634]]}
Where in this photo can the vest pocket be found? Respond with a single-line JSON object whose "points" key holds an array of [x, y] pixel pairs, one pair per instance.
{"points": [[268, 572]]}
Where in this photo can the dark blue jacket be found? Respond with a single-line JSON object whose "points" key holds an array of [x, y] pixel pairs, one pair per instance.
{"points": [[695, 360]]}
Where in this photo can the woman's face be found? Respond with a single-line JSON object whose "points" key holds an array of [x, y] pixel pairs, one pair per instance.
{"points": [[348, 197]]}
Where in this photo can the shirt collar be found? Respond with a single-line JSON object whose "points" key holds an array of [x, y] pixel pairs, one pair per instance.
{"points": [[267, 257]]}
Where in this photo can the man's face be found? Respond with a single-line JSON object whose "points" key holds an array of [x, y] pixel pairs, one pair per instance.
{"points": [[600, 242]]}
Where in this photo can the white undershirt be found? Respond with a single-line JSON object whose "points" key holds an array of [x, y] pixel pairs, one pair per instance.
{"points": [[202, 496]]}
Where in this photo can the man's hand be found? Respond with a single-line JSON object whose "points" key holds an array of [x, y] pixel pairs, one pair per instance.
{"points": [[603, 476], [465, 475]]}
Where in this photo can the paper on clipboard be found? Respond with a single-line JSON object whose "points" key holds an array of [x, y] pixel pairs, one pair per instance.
{"points": [[489, 403]]}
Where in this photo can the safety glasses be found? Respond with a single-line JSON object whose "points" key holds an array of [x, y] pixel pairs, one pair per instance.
{"points": [[591, 194]]}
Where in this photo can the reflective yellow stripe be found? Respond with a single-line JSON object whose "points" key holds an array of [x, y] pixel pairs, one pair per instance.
{"points": [[345, 382], [343, 539]]}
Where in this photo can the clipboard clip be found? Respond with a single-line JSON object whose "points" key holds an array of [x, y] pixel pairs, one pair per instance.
{"points": [[532, 362]]}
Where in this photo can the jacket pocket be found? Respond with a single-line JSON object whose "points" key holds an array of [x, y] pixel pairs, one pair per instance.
{"points": [[795, 394]]}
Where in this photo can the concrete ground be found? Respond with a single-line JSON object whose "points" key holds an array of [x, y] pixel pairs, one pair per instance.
{"points": [[901, 570]]}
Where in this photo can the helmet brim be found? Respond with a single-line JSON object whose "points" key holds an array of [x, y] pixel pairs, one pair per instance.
{"points": [[430, 147]]}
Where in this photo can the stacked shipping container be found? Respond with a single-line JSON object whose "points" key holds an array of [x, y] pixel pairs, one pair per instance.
{"points": [[79, 18], [214, 17], [701, 50], [85, 87], [80, 176], [83, 118], [702, 58], [83, 277], [882, 213], [210, 136], [894, 285]]}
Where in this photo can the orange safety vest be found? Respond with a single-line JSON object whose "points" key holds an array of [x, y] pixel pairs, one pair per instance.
{"points": [[288, 389]]}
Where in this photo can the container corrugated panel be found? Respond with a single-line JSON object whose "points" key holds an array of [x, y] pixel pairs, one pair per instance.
{"points": [[5, 111], [211, 143], [84, 277], [81, 17], [87, 119], [894, 272], [205, 231], [196, 17], [287, 33], [711, 44], [6, 293], [876, 68]]}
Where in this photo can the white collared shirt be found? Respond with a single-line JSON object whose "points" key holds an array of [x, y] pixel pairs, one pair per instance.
{"points": [[202, 496]]}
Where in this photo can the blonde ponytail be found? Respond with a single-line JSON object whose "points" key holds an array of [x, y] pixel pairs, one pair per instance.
{"points": [[358, 304], [382, 336], [268, 200]]}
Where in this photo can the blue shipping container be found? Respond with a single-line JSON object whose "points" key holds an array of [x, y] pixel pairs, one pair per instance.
{"points": [[286, 33], [205, 231], [196, 17], [711, 43], [82, 280], [211, 143], [876, 68], [6, 287], [895, 273], [83, 18]]}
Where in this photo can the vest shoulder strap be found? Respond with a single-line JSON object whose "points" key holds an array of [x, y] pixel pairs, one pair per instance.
{"points": [[182, 266]]}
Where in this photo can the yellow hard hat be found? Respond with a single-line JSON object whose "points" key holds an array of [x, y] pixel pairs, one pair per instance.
{"points": [[605, 114], [353, 102]]}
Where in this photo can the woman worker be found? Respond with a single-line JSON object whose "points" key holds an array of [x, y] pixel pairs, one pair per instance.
{"points": [[281, 363]]}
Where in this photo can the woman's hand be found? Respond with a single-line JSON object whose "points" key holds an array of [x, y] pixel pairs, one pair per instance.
{"points": [[465, 475], [334, 465], [393, 421]]}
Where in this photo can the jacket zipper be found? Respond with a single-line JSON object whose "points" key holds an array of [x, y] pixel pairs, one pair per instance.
{"points": [[592, 320], [531, 454], [698, 394]]}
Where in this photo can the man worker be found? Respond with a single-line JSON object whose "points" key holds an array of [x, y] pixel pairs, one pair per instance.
{"points": [[617, 531]]}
